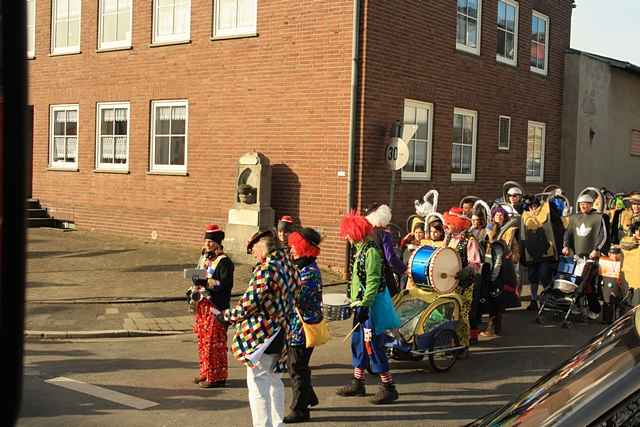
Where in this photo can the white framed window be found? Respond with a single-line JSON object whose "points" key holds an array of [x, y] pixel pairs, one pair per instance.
{"points": [[469, 18], [169, 136], [66, 26], [539, 43], [112, 136], [63, 136], [507, 50], [234, 18], [535, 151], [463, 151], [31, 28], [114, 30], [419, 165], [504, 133], [171, 21]]}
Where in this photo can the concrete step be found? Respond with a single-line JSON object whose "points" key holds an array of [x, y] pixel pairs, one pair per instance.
{"points": [[33, 204], [37, 213], [42, 222]]}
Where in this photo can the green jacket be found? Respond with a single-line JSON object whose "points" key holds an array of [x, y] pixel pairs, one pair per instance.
{"points": [[373, 269]]}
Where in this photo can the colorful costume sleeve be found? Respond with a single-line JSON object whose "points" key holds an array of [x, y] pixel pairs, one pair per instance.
{"points": [[253, 296], [373, 267], [309, 300]]}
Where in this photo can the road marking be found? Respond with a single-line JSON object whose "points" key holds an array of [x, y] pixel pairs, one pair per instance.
{"points": [[102, 393]]}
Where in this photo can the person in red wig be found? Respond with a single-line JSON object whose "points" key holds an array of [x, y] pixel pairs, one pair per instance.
{"points": [[459, 238], [367, 344]]}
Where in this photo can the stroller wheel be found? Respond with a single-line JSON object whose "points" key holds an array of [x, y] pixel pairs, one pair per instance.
{"points": [[443, 360], [566, 324], [539, 320]]}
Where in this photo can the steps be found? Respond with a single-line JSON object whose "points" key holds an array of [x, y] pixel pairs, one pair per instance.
{"points": [[37, 216]]}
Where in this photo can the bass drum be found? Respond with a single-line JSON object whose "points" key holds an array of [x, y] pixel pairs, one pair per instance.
{"points": [[435, 268]]}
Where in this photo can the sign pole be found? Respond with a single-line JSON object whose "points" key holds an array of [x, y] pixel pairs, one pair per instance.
{"points": [[392, 188]]}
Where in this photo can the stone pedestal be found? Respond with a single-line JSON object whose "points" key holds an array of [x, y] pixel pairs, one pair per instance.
{"points": [[252, 209]]}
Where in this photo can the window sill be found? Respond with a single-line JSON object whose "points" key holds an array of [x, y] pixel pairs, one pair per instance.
{"points": [[503, 150], [414, 178], [504, 61], [63, 169], [534, 180], [169, 173], [539, 72], [65, 53], [233, 36], [113, 49], [122, 172], [161, 44], [468, 50], [30, 57], [463, 179]]}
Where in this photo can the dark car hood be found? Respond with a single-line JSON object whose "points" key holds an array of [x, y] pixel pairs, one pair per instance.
{"points": [[582, 389]]}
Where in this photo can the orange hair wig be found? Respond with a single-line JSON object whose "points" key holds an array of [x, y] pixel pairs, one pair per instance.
{"points": [[355, 226], [302, 246], [456, 220]]}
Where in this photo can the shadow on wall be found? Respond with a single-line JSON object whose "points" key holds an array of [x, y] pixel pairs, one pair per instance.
{"points": [[285, 191]]}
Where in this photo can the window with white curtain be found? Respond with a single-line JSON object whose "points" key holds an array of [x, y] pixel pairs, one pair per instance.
{"points": [[115, 24], [469, 18], [536, 136], [419, 165], [507, 50], [539, 43], [169, 136], [31, 28], [463, 152], [171, 21], [66, 26], [112, 136], [63, 136], [234, 17]]}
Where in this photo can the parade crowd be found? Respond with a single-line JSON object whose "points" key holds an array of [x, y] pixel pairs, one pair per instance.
{"points": [[279, 319]]}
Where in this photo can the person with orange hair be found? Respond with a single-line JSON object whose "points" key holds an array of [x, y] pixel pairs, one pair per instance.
{"points": [[304, 248], [367, 344], [459, 238]]}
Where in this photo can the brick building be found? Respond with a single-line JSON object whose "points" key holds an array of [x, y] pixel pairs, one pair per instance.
{"points": [[142, 108]]}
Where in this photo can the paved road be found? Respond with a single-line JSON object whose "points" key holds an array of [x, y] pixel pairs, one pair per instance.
{"points": [[159, 370]]}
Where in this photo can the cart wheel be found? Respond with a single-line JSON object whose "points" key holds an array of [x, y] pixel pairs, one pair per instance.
{"points": [[443, 360], [539, 319], [566, 324]]}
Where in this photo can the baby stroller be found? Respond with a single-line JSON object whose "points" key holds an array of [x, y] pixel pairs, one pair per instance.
{"points": [[566, 298], [428, 322]]}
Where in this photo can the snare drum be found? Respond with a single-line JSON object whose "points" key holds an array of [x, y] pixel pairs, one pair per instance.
{"points": [[565, 286], [435, 268], [336, 307]]}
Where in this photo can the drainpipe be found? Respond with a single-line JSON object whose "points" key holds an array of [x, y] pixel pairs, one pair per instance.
{"points": [[354, 110]]}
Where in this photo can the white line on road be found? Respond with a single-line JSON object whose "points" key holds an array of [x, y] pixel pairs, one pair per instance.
{"points": [[102, 393]]}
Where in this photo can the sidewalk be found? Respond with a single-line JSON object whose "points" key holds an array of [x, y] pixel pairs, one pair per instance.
{"points": [[84, 284]]}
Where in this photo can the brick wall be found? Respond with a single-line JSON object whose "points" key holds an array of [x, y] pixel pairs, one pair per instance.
{"points": [[410, 52], [285, 93]]}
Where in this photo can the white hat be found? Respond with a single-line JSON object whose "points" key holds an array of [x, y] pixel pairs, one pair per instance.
{"points": [[514, 190], [585, 198]]}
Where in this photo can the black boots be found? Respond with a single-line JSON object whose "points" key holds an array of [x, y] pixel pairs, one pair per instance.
{"points": [[356, 388], [387, 393], [297, 416]]}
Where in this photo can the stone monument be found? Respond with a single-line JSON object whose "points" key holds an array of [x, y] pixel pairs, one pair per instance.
{"points": [[252, 208]]}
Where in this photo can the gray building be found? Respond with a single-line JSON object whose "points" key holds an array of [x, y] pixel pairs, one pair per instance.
{"points": [[600, 124]]}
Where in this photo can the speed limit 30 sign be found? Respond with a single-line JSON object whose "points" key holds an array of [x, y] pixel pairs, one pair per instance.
{"points": [[396, 153]]}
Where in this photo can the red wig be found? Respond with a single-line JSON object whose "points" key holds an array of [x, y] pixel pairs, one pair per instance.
{"points": [[456, 220], [302, 246], [355, 226]]}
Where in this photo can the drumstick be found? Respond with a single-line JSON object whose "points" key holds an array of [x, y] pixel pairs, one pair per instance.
{"points": [[351, 333]]}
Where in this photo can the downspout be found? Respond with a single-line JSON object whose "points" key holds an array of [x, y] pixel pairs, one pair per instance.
{"points": [[354, 110]]}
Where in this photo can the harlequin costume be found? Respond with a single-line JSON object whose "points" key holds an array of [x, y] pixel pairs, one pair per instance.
{"points": [[211, 334], [468, 249], [367, 344]]}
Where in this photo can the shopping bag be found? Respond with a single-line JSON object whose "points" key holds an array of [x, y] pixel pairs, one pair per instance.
{"points": [[383, 314], [315, 334]]}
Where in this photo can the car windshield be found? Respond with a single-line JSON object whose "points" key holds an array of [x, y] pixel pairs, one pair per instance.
{"points": [[586, 377]]}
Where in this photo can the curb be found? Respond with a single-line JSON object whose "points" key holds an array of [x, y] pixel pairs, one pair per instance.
{"points": [[115, 333]]}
